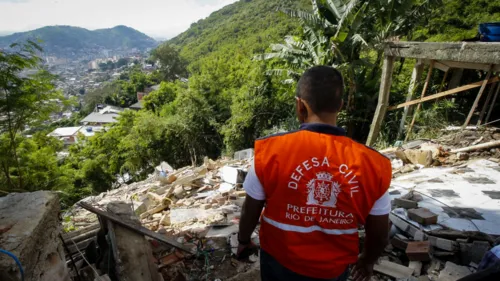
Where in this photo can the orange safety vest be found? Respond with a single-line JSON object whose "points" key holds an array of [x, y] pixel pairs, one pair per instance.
{"points": [[319, 186]]}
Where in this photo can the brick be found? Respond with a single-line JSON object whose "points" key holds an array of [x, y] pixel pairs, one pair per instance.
{"points": [[405, 203], [423, 216], [418, 251]]}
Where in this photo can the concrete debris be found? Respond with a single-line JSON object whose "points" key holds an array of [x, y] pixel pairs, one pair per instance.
{"points": [[453, 272], [393, 269], [29, 220], [201, 205]]}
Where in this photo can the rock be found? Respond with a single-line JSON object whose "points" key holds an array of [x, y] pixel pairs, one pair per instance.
{"points": [[422, 157], [30, 220], [179, 191], [462, 156], [240, 193], [407, 169], [393, 269], [496, 160], [157, 216], [416, 266], [205, 206], [171, 178], [453, 272]]}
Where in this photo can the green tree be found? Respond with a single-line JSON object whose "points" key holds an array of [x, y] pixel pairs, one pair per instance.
{"points": [[27, 101], [172, 66]]}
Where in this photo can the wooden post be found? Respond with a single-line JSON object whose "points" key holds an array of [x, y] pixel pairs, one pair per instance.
{"points": [[485, 106], [492, 104], [424, 90], [132, 252], [476, 102], [383, 99], [415, 77], [455, 79]]}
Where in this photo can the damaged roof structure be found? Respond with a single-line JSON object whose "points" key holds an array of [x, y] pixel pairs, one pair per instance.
{"points": [[445, 57]]}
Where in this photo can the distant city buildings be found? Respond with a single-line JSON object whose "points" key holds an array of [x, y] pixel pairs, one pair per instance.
{"points": [[102, 115], [71, 135]]}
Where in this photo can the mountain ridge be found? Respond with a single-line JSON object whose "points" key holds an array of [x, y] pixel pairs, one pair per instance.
{"points": [[70, 41]]}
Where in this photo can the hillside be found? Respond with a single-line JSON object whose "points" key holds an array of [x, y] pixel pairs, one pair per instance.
{"points": [[69, 41], [242, 28]]}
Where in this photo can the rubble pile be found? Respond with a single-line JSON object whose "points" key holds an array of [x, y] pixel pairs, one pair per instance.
{"points": [[199, 207], [452, 149]]}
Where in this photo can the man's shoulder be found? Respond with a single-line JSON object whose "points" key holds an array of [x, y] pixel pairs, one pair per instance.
{"points": [[277, 135], [369, 151]]}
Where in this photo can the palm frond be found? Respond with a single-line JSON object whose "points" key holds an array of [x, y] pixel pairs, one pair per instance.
{"points": [[337, 7], [358, 39]]}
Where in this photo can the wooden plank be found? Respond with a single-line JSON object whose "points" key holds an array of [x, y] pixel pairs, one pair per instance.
{"points": [[445, 93], [132, 252], [476, 102], [84, 236], [80, 231], [136, 228], [424, 90], [472, 52], [486, 103], [478, 146], [441, 66], [470, 65], [492, 104], [415, 77], [383, 100]]}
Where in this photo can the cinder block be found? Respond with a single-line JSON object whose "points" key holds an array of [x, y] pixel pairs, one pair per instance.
{"points": [[418, 251], [405, 203], [423, 216]]}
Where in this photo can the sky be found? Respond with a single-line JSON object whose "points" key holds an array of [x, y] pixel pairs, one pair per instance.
{"points": [[157, 18]]}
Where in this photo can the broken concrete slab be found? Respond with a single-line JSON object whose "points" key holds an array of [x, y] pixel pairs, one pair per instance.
{"points": [[465, 194], [30, 220], [453, 272], [393, 269], [232, 175]]}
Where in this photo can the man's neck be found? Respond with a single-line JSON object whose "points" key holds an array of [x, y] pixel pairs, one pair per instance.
{"points": [[330, 119]]}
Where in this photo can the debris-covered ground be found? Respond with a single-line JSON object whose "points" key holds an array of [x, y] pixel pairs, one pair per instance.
{"points": [[446, 211]]}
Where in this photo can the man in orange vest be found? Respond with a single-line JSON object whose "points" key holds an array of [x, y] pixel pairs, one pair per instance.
{"points": [[318, 187]]}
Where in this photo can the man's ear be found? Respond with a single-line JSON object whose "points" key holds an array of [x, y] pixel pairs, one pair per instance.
{"points": [[301, 110]]}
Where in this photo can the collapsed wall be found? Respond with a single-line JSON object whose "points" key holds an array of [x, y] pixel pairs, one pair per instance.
{"points": [[30, 229]]}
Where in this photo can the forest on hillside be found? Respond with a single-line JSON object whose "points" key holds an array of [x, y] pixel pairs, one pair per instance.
{"points": [[228, 80]]}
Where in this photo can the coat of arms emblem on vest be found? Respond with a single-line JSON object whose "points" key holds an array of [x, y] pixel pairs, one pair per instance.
{"points": [[322, 190]]}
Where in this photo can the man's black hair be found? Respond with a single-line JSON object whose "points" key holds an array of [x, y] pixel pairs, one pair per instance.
{"points": [[322, 88]]}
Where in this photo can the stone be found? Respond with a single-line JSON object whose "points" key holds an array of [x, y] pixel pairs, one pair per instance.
{"points": [[171, 178], [405, 203], [205, 206], [407, 169], [444, 244], [240, 193], [31, 230], [453, 272], [496, 160], [393, 269], [179, 191], [399, 243], [462, 156], [165, 219], [157, 216], [419, 236], [423, 216], [418, 251], [415, 156], [416, 266]]}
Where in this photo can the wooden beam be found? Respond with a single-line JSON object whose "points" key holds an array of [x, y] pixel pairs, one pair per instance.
{"points": [[415, 77], [383, 99], [470, 65], [471, 52], [486, 103], [441, 66], [426, 85], [445, 93], [492, 104], [476, 102], [136, 228]]}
